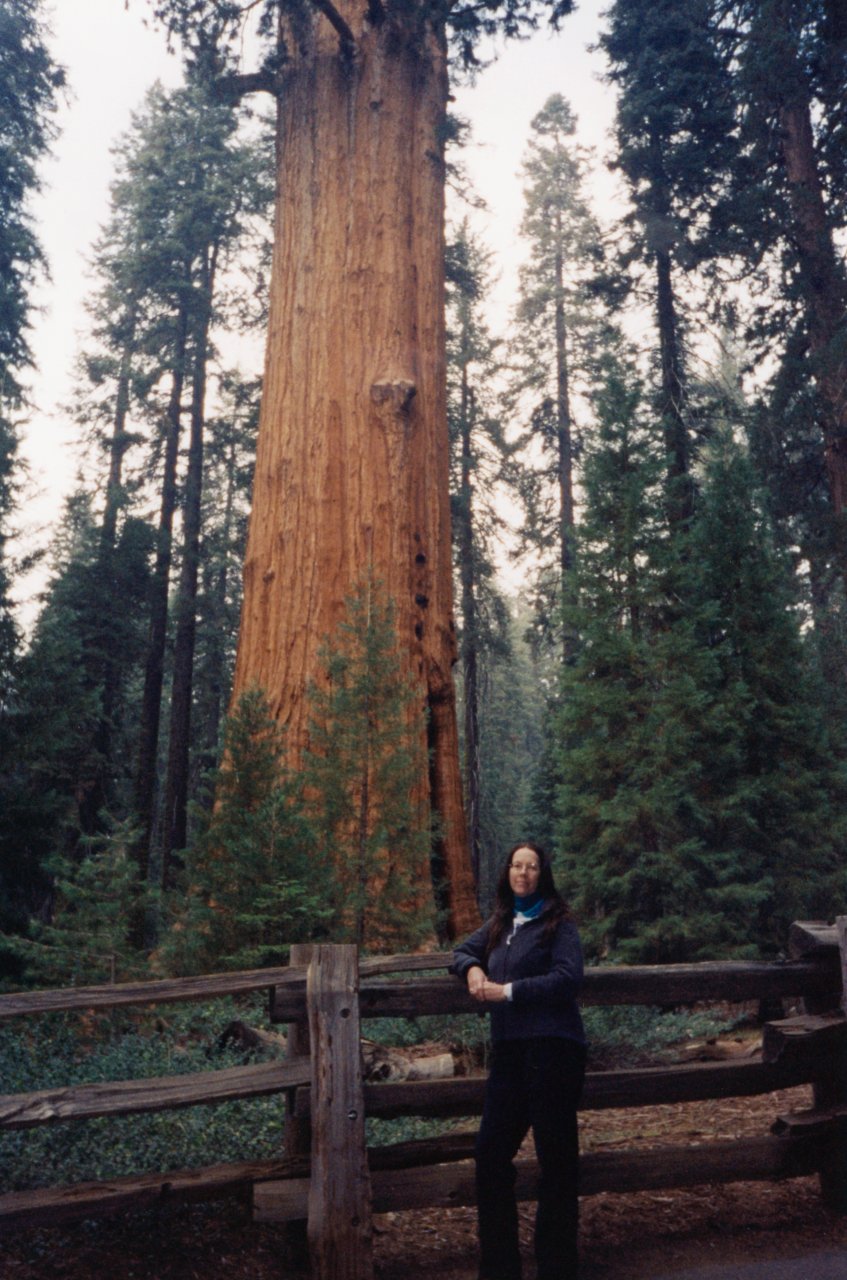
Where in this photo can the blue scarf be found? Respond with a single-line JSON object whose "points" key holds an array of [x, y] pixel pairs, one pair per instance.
{"points": [[530, 906]]}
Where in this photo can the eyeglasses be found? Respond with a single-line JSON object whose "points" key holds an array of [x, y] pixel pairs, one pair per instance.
{"points": [[531, 868]]}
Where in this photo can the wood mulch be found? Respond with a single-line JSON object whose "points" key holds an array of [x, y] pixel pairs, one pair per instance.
{"points": [[624, 1237]]}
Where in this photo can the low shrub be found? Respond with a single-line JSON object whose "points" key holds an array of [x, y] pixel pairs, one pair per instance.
{"points": [[60, 1049], [635, 1035]]}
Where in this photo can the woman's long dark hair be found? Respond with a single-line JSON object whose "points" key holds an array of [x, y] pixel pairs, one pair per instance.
{"points": [[555, 908]]}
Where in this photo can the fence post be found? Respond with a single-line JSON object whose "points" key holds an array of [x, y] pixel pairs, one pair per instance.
{"points": [[830, 1091], [297, 1134], [340, 1228]]}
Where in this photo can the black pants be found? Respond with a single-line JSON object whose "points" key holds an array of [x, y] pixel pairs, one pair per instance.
{"points": [[532, 1084]]}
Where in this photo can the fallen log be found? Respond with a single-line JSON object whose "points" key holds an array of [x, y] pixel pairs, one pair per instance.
{"points": [[241, 1035], [382, 1063]]}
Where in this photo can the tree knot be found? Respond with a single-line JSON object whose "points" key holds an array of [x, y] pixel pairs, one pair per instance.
{"points": [[392, 397]]}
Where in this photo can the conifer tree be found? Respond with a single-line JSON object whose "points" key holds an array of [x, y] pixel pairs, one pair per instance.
{"points": [[776, 775], [556, 331], [253, 881], [518, 679], [359, 779], [630, 704], [78, 635], [352, 459], [229, 459], [676, 136], [698, 778], [31, 82], [87, 940], [477, 449], [187, 223], [785, 210]]}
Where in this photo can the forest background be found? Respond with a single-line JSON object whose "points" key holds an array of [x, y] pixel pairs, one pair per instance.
{"points": [[655, 428]]}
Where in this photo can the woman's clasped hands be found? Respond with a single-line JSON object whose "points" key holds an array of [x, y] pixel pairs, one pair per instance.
{"points": [[482, 989]]}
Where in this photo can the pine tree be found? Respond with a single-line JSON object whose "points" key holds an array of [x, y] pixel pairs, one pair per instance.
{"points": [[230, 455], [477, 450], [677, 136], [359, 779], [253, 881], [87, 941], [555, 333], [175, 228], [778, 792], [516, 683], [82, 649], [31, 83], [786, 205], [630, 705], [698, 778]]}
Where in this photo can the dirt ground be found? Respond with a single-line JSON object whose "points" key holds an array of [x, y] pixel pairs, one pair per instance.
{"points": [[624, 1237]]}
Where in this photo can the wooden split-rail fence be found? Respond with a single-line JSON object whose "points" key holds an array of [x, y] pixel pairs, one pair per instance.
{"points": [[327, 1184]]}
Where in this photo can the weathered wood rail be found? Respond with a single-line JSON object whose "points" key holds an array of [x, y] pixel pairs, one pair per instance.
{"points": [[326, 1176]]}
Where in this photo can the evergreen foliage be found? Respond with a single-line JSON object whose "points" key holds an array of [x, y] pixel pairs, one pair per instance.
{"points": [[698, 781], [556, 331], [215, 28], [516, 683], [477, 453], [253, 882], [676, 136], [31, 82], [87, 940], [59, 785], [360, 772]]}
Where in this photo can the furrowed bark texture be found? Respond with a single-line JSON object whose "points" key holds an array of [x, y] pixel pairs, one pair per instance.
{"points": [[352, 467]]}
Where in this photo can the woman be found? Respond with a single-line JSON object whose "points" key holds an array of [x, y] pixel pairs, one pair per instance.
{"points": [[525, 963]]}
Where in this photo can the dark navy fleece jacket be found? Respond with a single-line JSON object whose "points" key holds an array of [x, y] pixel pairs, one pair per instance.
{"points": [[545, 973]]}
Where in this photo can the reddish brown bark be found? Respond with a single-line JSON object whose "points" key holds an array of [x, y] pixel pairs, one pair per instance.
{"points": [[352, 467], [823, 287]]}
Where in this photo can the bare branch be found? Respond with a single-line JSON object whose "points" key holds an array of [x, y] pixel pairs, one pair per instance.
{"points": [[345, 35], [233, 87]]}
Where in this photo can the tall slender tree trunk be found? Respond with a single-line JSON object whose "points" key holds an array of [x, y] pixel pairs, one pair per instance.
{"points": [[352, 456], [823, 282], [175, 814], [118, 446], [145, 784], [821, 275], [218, 590], [470, 638], [680, 494], [564, 442], [680, 500], [97, 791]]}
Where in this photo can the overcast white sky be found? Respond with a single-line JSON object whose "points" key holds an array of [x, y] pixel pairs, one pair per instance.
{"points": [[112, 58]]}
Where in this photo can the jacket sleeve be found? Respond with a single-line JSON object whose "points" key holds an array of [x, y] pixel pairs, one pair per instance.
{"points": [[471, 952], [562, 982]]}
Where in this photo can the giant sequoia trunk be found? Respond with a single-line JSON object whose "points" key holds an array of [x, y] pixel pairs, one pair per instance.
{"points": [[821, 274], [352, 467], [822, 281]]}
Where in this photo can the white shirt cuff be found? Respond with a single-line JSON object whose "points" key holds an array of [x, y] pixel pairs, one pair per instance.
{"points": [[508, 990]]}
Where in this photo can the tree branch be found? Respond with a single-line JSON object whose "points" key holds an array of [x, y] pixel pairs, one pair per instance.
{"points": [[233, 87], [345, 35]]}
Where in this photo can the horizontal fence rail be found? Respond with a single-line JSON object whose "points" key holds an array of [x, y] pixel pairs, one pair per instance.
{"points": [[342, 989], [613, 985]]}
